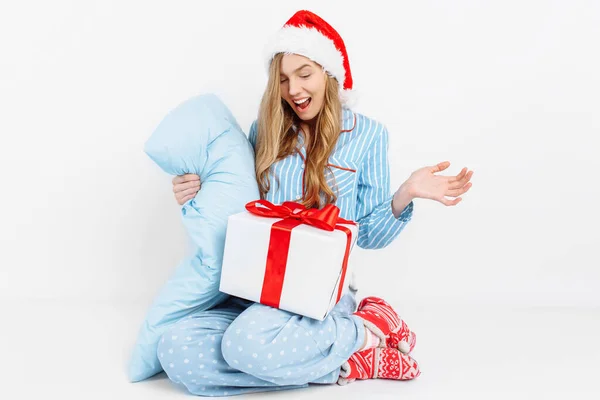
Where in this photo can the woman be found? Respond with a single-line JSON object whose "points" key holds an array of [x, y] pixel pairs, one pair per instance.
{"points": [[311, 149]]}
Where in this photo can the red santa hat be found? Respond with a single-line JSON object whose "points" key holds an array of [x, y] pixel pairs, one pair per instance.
{"points": [[308, 35]]}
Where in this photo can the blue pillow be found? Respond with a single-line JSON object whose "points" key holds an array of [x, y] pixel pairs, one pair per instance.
{"points": [[199, 136]]}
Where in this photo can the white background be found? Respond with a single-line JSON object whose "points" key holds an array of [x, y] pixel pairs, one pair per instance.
{"points": [[509, 89]]}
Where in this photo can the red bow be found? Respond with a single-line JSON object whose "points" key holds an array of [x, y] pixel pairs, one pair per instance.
{"points": [[326, 218], [294, 214]]}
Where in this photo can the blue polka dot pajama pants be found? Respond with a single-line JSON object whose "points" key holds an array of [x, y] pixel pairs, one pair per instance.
{"points": [[243, 347]]}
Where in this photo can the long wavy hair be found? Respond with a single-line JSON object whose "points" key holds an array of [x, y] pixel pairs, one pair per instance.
{"points": [[276, 138]]}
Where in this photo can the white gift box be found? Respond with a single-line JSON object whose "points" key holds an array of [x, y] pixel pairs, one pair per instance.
{"points": [[306, 276]]}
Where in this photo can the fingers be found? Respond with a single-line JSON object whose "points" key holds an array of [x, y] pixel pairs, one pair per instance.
{"points": [[180, 187], [191, 191], [185, 178], [448, 202], [186, 195], [460, 176], [440, 167], [183, 200], [460, 180], [458, 192], [185, 187]]}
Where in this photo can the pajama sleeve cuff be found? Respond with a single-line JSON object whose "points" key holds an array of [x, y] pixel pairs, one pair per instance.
{"points": [[406, 214], [383, 227]]}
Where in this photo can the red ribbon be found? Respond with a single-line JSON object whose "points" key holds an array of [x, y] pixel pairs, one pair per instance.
{"points": [[294, 214]]}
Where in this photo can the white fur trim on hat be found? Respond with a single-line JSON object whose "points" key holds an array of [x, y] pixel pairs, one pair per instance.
{"points": [[310, 43], [348, 97]]}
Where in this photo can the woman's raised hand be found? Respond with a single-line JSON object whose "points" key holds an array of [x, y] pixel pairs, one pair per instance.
{"points": [[423, 183]]}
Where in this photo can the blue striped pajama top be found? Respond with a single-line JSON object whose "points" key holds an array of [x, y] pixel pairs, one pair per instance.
{"points": [[360, 175]]}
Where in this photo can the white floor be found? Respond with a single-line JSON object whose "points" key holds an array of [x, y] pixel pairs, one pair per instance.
{"points": [[79, 351]]}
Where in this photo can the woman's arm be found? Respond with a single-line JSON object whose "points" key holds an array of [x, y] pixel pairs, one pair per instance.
{"points": [[382, 216], [378, 226]]}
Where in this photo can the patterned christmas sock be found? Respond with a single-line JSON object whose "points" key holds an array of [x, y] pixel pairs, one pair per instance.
{"points": [[403, 340], [378, 363], [380, 318]]}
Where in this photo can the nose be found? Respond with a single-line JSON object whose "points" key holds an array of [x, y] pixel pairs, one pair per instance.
{"points": [[294, 87]]}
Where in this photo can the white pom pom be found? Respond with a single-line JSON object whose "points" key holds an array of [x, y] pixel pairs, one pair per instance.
{"points": [[404, 347]]}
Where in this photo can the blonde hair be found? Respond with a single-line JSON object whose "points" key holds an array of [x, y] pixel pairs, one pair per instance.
{"points": [[276, 138]]}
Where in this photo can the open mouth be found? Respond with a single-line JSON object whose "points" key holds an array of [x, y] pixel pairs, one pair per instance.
{"points": [[302, 105]]}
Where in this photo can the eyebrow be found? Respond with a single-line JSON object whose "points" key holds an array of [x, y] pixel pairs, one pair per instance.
{"points": [[298, 69]]}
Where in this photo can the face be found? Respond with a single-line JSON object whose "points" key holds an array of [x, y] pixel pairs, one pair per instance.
{"points": [[302, 85]]}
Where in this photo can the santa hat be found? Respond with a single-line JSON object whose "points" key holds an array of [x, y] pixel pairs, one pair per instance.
{"points": [[309, 35]]}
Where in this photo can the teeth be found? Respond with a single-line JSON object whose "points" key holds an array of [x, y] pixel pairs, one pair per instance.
{"points": [[302, 101]]}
